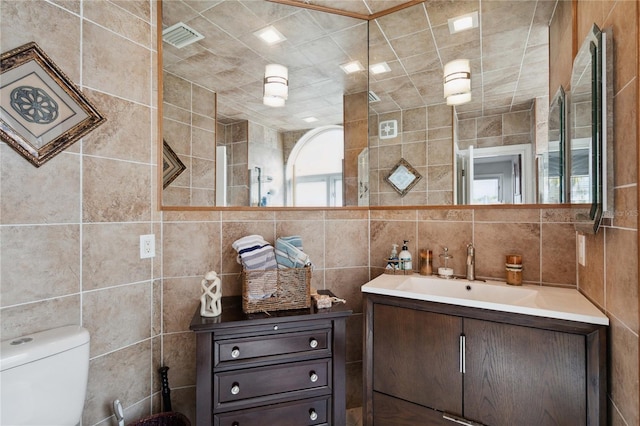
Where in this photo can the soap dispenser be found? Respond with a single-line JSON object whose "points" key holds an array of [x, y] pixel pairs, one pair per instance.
{"points": [[392, 262], [405, 257]]}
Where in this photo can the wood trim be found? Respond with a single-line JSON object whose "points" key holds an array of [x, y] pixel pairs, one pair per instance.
{"points": [[574, 29], [160, 113], [394, 9], [325, 9], [356, 15]]}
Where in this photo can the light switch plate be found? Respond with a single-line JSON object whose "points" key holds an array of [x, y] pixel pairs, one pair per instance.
{"points": [[582, 254]]}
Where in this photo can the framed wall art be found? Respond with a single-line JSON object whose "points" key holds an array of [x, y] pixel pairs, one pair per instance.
{"points": [[171, 165], [403, 177], [41, 111]]}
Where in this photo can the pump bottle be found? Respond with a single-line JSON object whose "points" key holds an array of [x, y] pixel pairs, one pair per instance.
{"points": [[405, 257]]}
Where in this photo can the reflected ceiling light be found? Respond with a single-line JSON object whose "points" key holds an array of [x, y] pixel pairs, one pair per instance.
{"points": [[270, 35], [463, 22], [310, 119], [379, 68], [460, 99], [351, 67], [276, 85], [457, 81]]}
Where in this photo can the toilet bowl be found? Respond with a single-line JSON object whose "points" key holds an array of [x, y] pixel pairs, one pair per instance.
{"points": [[43, 377]]}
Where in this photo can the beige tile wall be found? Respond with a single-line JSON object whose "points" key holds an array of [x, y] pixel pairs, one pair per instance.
{"points": [[189, 112], [610, 276], [424, 139], [69, 229]]}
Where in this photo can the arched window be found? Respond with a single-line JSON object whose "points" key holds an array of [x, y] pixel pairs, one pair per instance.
{"points": [[314, 168]]}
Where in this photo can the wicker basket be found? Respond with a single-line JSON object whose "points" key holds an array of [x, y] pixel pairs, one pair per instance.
{"points": [[276, 290], [163, 419]]}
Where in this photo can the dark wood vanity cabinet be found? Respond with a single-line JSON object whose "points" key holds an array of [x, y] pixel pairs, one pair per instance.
{"points": [[282, 368], [435, 364]]}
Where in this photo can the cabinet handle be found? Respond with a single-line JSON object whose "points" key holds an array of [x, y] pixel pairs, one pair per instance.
{"points": [[313, 343], [463, 361], [460, 420], [313, 415], [313, 376], [235, 352], [235, 424], [235, 389], [275, 327]]}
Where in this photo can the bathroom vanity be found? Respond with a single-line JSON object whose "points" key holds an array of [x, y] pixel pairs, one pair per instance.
{"points": [[284, 368], [457, 352]]}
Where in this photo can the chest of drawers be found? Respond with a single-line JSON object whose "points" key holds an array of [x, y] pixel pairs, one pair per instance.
{"points": [[283, 368]]}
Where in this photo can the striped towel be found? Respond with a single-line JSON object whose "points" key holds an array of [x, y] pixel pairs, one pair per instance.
{"points": [[254, 253], [290, 256]]}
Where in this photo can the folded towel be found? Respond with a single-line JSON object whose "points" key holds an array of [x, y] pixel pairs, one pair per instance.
{"points": [[248, 241], [294, 240], [258, 257], [290, 256], [255, 253]]}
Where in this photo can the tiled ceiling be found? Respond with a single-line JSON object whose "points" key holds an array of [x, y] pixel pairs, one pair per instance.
{"points": [[508, 54]]}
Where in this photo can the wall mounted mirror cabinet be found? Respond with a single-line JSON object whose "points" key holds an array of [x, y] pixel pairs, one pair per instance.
{"points": [[239, 152], [590, 127]]}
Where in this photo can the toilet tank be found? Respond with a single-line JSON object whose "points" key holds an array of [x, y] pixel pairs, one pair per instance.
{"points": [[43, 377]]}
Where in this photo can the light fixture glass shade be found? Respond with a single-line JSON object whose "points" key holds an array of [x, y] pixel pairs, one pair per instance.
{"points": [[457, 77], [276, 85], [273, 101], [460, 99]]}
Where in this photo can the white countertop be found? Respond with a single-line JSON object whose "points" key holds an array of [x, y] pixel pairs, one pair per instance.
{"points": [[542, 301]]}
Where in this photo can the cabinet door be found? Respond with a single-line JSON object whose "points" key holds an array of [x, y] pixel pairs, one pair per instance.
{"points": [[396, 412], [416, 357], [523, 376]]}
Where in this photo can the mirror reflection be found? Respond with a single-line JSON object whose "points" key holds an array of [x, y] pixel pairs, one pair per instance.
{"points": [[480, 151], [244, 133], [552, 177]]}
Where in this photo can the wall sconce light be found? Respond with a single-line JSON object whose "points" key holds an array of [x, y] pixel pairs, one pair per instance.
{"points": [[457, 82], [276, 85]]}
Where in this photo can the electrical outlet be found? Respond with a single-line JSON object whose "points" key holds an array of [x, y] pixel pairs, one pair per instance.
{"points": [[582, 253], [147, 246]]}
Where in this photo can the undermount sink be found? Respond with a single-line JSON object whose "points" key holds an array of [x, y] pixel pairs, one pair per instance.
{"points": [[543, 301]]}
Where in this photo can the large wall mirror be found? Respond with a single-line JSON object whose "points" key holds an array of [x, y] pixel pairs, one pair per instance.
{"points": [[241, 145], [479, 152], [390, 111]]}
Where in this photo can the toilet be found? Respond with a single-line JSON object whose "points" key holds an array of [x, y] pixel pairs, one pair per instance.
{"points": [[43, 377]]}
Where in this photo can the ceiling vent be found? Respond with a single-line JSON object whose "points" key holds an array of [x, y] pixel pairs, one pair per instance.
{"points": [[373, 97], [180, 35]]}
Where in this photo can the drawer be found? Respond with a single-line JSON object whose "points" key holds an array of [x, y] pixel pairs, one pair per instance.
{"points": [[267, 383], [274, 345], [310, 412]]}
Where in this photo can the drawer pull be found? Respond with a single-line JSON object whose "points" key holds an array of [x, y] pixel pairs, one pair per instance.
{"points": [[235, 424], [313, 415], [235, 352], [313, 376], [235, 389], [275, 327], [313, 343]]}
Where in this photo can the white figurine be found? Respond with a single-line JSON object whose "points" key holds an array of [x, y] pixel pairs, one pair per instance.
{"points": [[211, 294]]}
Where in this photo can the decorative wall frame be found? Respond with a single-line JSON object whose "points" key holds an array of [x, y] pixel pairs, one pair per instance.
{"points": [[171, 165], [41, 111], [403, 177]]}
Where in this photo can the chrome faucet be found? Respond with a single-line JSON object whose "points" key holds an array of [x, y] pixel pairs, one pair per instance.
{"points": [[471, 262]]}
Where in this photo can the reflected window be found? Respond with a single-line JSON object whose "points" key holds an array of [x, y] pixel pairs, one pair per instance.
{"points": [[487, 190], [314, 169]]}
